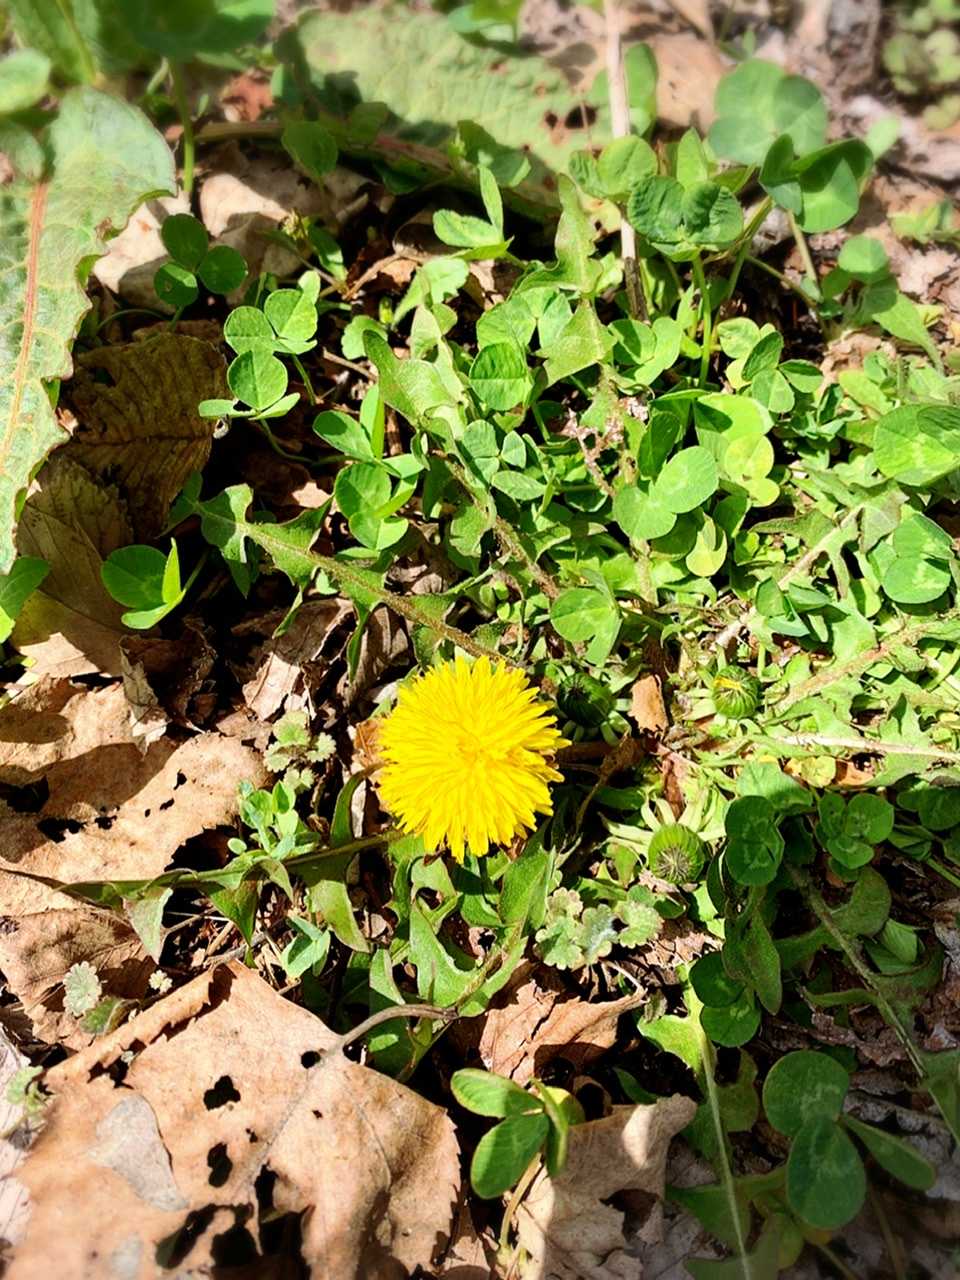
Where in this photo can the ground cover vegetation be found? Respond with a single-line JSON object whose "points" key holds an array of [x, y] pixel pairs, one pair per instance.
{"points": [[480, 757]]}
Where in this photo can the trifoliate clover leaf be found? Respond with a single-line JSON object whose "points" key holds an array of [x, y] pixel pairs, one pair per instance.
{"points": [[641, 923], [81, 989]]}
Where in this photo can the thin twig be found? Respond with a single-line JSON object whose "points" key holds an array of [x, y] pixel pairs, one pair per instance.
{"points": [[620, 128]]}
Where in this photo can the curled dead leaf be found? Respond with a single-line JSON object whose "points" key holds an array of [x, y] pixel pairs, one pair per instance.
{"points": [[209, 1136]]}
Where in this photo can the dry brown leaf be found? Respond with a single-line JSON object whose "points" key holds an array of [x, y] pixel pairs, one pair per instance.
{"points": [[237, 1105], [689, 71], [37, 950], [282, 658], [17, 1133], [71, 625], [113, 812], [132, 257], [137, 419], [530, 1026], [567, 1225], [178, 671], [646, 705]]}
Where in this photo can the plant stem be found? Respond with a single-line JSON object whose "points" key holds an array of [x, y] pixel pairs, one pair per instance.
{"points": [[305, 378], [726, 1173], [804, 250], [183, 109], [620, 128], [506, 536], [706, 316], [755, 223]]}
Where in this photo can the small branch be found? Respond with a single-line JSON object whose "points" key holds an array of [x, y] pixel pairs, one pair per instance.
{"points": [[620, 128], [852, 953]]}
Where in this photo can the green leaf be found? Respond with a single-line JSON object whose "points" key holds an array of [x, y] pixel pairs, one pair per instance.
{"points": [[307, 950], [412, 387], [802, 1086], [579, 612], [257, 378], [344, 433], [826, 1184], [486, 1094], [830, 181], [623, 163], [733, 1025], [145, 915], [175, 285], [712, 215], [185, 239], [918, 444], [146, 580], [502, 1155], [24, 78], [105, 158], [222, 269], [310, 146], [248, 329], [899, 1158], [16, 587], [655, 209], [180, 29], [754, 845], [500, 377], [687, 481], [757, 103], [584, 341], [864, 258], [641, 515]]}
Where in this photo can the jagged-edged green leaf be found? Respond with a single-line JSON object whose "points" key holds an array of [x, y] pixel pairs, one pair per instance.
{"points": [[104, 159]]}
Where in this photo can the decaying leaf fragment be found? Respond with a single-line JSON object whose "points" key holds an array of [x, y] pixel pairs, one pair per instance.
{"points": [[237, 1107], [567, 1225], [137, 420]]}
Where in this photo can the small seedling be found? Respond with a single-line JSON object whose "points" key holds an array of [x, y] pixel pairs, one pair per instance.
{"points": [[531, 1123]]}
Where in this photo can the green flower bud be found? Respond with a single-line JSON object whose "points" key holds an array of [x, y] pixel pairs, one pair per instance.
{"points": [[676, 854], [736, 693], [585, 700]]}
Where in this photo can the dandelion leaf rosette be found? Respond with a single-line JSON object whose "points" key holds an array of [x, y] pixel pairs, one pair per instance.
{"points": [[102, 159]]}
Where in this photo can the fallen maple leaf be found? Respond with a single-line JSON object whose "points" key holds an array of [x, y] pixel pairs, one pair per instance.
{"points": [[237, 1108], [567, 1225]]}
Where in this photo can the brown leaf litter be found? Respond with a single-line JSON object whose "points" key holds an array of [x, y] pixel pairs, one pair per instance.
{"points": [[567, 1224], [236, 1108], [101, 810], [531, 1024]]}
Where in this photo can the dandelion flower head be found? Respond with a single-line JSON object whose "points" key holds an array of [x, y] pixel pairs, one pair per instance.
{"points": [[468, 756]]}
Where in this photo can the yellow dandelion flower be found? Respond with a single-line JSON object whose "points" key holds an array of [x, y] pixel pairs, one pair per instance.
{"points": [[467, 756]]}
